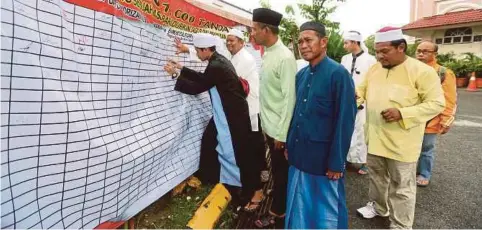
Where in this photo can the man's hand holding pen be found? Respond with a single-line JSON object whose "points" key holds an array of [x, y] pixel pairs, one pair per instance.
{"points": [[171, 68]]}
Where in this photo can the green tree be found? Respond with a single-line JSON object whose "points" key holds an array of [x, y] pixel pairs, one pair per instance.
{"points": [[335, 48], [370, 43], [473, 62], [446, 58], [319, 10], [412, 49], [265, 4], [289, 31]]}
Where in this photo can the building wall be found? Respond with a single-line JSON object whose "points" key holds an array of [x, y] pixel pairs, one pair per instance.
{"points": [[474, 47], [427, 8], [420, 9], [444, 6], [476, 30], [224, 5]]}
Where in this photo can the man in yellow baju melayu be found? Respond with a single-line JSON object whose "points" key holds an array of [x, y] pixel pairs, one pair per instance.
{"points": [[401, 95]]}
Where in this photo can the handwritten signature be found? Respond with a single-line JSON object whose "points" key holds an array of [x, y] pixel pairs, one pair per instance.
{"points": [[26, 48]]}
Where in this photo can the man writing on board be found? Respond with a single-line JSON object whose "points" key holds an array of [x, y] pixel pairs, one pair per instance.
{"points": [[245, 65], [225, 152]]}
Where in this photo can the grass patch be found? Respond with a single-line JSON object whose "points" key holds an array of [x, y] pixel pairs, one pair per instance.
{"points": [[227, 219], [172, 212]]}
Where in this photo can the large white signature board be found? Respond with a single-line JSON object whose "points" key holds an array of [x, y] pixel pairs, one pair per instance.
{"points": [[91, 129]]}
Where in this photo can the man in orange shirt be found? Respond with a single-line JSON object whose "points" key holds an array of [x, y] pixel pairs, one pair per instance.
{"points": [[427, 53]]}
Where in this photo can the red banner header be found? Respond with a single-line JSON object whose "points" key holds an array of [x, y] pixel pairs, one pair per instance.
{"points": [[173, 13]]}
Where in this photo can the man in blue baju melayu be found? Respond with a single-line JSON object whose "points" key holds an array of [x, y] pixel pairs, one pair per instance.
{"points": [[319, 136]]}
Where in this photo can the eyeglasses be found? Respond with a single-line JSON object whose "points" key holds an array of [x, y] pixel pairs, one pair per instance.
{"points": [[424, 51]]}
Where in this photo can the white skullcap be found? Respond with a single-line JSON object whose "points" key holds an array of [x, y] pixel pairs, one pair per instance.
{"points": [[353, 36], [388, 34], [204, 40], [236, 33]]}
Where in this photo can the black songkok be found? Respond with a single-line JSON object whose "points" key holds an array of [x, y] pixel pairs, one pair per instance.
{"points": [[316, 26], [267, 16]]}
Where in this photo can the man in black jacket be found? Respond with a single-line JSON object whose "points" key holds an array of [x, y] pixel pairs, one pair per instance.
{"points": [[225, 155]]}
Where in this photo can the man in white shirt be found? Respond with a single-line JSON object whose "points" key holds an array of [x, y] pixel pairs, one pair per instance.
{"points": [[246, 68], [357, 62]]}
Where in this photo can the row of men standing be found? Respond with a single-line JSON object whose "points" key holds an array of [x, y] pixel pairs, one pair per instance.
{"points": [[312, 120]]}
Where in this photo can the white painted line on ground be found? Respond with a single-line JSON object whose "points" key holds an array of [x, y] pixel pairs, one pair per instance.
{"points": [[469, 116], [466, 123]]}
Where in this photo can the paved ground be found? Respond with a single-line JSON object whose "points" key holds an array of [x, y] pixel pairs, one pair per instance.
{"points": [[454, 197]]}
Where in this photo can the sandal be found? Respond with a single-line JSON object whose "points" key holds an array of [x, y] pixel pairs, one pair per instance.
{"points": [[363, 170], [422, 181], [256, 204], [268, 221], [249, 206]]}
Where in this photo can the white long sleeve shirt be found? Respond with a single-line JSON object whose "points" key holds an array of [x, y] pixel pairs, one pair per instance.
{"points": [[362, 64], [245, 65]]}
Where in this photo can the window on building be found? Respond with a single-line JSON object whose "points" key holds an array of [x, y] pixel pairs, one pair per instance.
{"points": [[467, 39], [478, 38], [458, 32], [458, 35], [438, 41]]}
